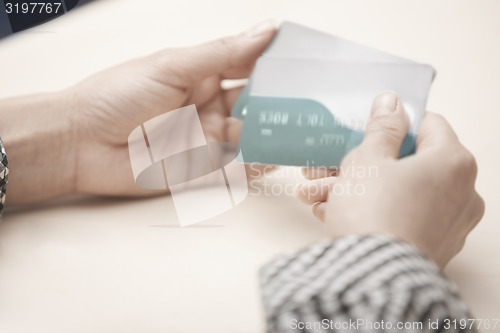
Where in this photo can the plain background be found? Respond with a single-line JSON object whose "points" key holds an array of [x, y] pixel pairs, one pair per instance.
{"points": [[110, 265]]}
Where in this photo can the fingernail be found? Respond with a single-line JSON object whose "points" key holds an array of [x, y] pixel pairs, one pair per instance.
{"points": [[385, 103], [318, 209], [262, 28]]}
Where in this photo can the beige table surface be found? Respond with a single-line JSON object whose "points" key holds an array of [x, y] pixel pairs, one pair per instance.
{"points": [[108, 265]]}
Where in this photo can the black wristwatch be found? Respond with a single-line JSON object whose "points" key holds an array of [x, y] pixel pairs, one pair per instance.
{"points": [[4, 175]]}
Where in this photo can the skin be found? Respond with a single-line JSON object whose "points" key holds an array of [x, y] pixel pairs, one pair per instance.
{"points": [[76, 140], [427, 199]]}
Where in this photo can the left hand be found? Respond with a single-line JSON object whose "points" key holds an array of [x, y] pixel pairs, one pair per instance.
{"points": [[76, 140], [109, 105]]}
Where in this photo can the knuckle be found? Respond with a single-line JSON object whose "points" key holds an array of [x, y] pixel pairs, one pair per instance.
{"points": [[459, 245], [171, 64], [225, 45], [353, 157], [464, 163], [227, 42], [164, 57], [436, 116], [481, 207], [475, 212], [166, 61], [385, 122], [470, 163], [387, 125]]}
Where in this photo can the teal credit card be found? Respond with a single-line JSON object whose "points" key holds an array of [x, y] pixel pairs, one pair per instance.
{"points": [[309, 96], [309, 112], [312, 134]]}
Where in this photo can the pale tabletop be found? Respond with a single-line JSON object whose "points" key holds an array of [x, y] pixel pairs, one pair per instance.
{"points": [[112, 265]]}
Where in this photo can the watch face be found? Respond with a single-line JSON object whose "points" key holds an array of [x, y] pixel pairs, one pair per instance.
{"points": [[18, 15]]}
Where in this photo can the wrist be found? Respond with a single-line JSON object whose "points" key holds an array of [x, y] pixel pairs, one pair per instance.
{"points": [[39, 142]]}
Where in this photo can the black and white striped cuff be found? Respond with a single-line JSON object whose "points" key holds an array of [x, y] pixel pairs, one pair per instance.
{"points": [[374, 278]]}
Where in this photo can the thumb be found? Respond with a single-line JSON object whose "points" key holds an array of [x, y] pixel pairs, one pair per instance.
{"points": [[225, 55], [386, 127]]}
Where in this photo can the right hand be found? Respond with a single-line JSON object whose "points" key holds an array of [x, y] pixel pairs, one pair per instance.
{"points": [[427, 199]]}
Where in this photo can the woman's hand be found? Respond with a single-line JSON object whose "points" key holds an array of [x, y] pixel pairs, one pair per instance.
{"points": [[109, 105], [75, 141], [427, 199]]}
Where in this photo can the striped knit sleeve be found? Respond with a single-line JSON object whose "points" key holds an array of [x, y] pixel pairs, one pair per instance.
{"points": [[360, 284]]}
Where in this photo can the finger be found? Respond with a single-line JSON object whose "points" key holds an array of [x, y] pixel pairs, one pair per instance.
{"points": [[230, 98], [315, 190], [204, 92], [319, 210], [255, 170], [435, 131], [233, 129], [476, 211], [319, 172], [194, 63], [237, 73], [386, 127]]}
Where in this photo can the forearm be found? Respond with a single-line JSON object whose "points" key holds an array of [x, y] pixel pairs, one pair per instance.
{"points": [[36, 132], [373, 278]]}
